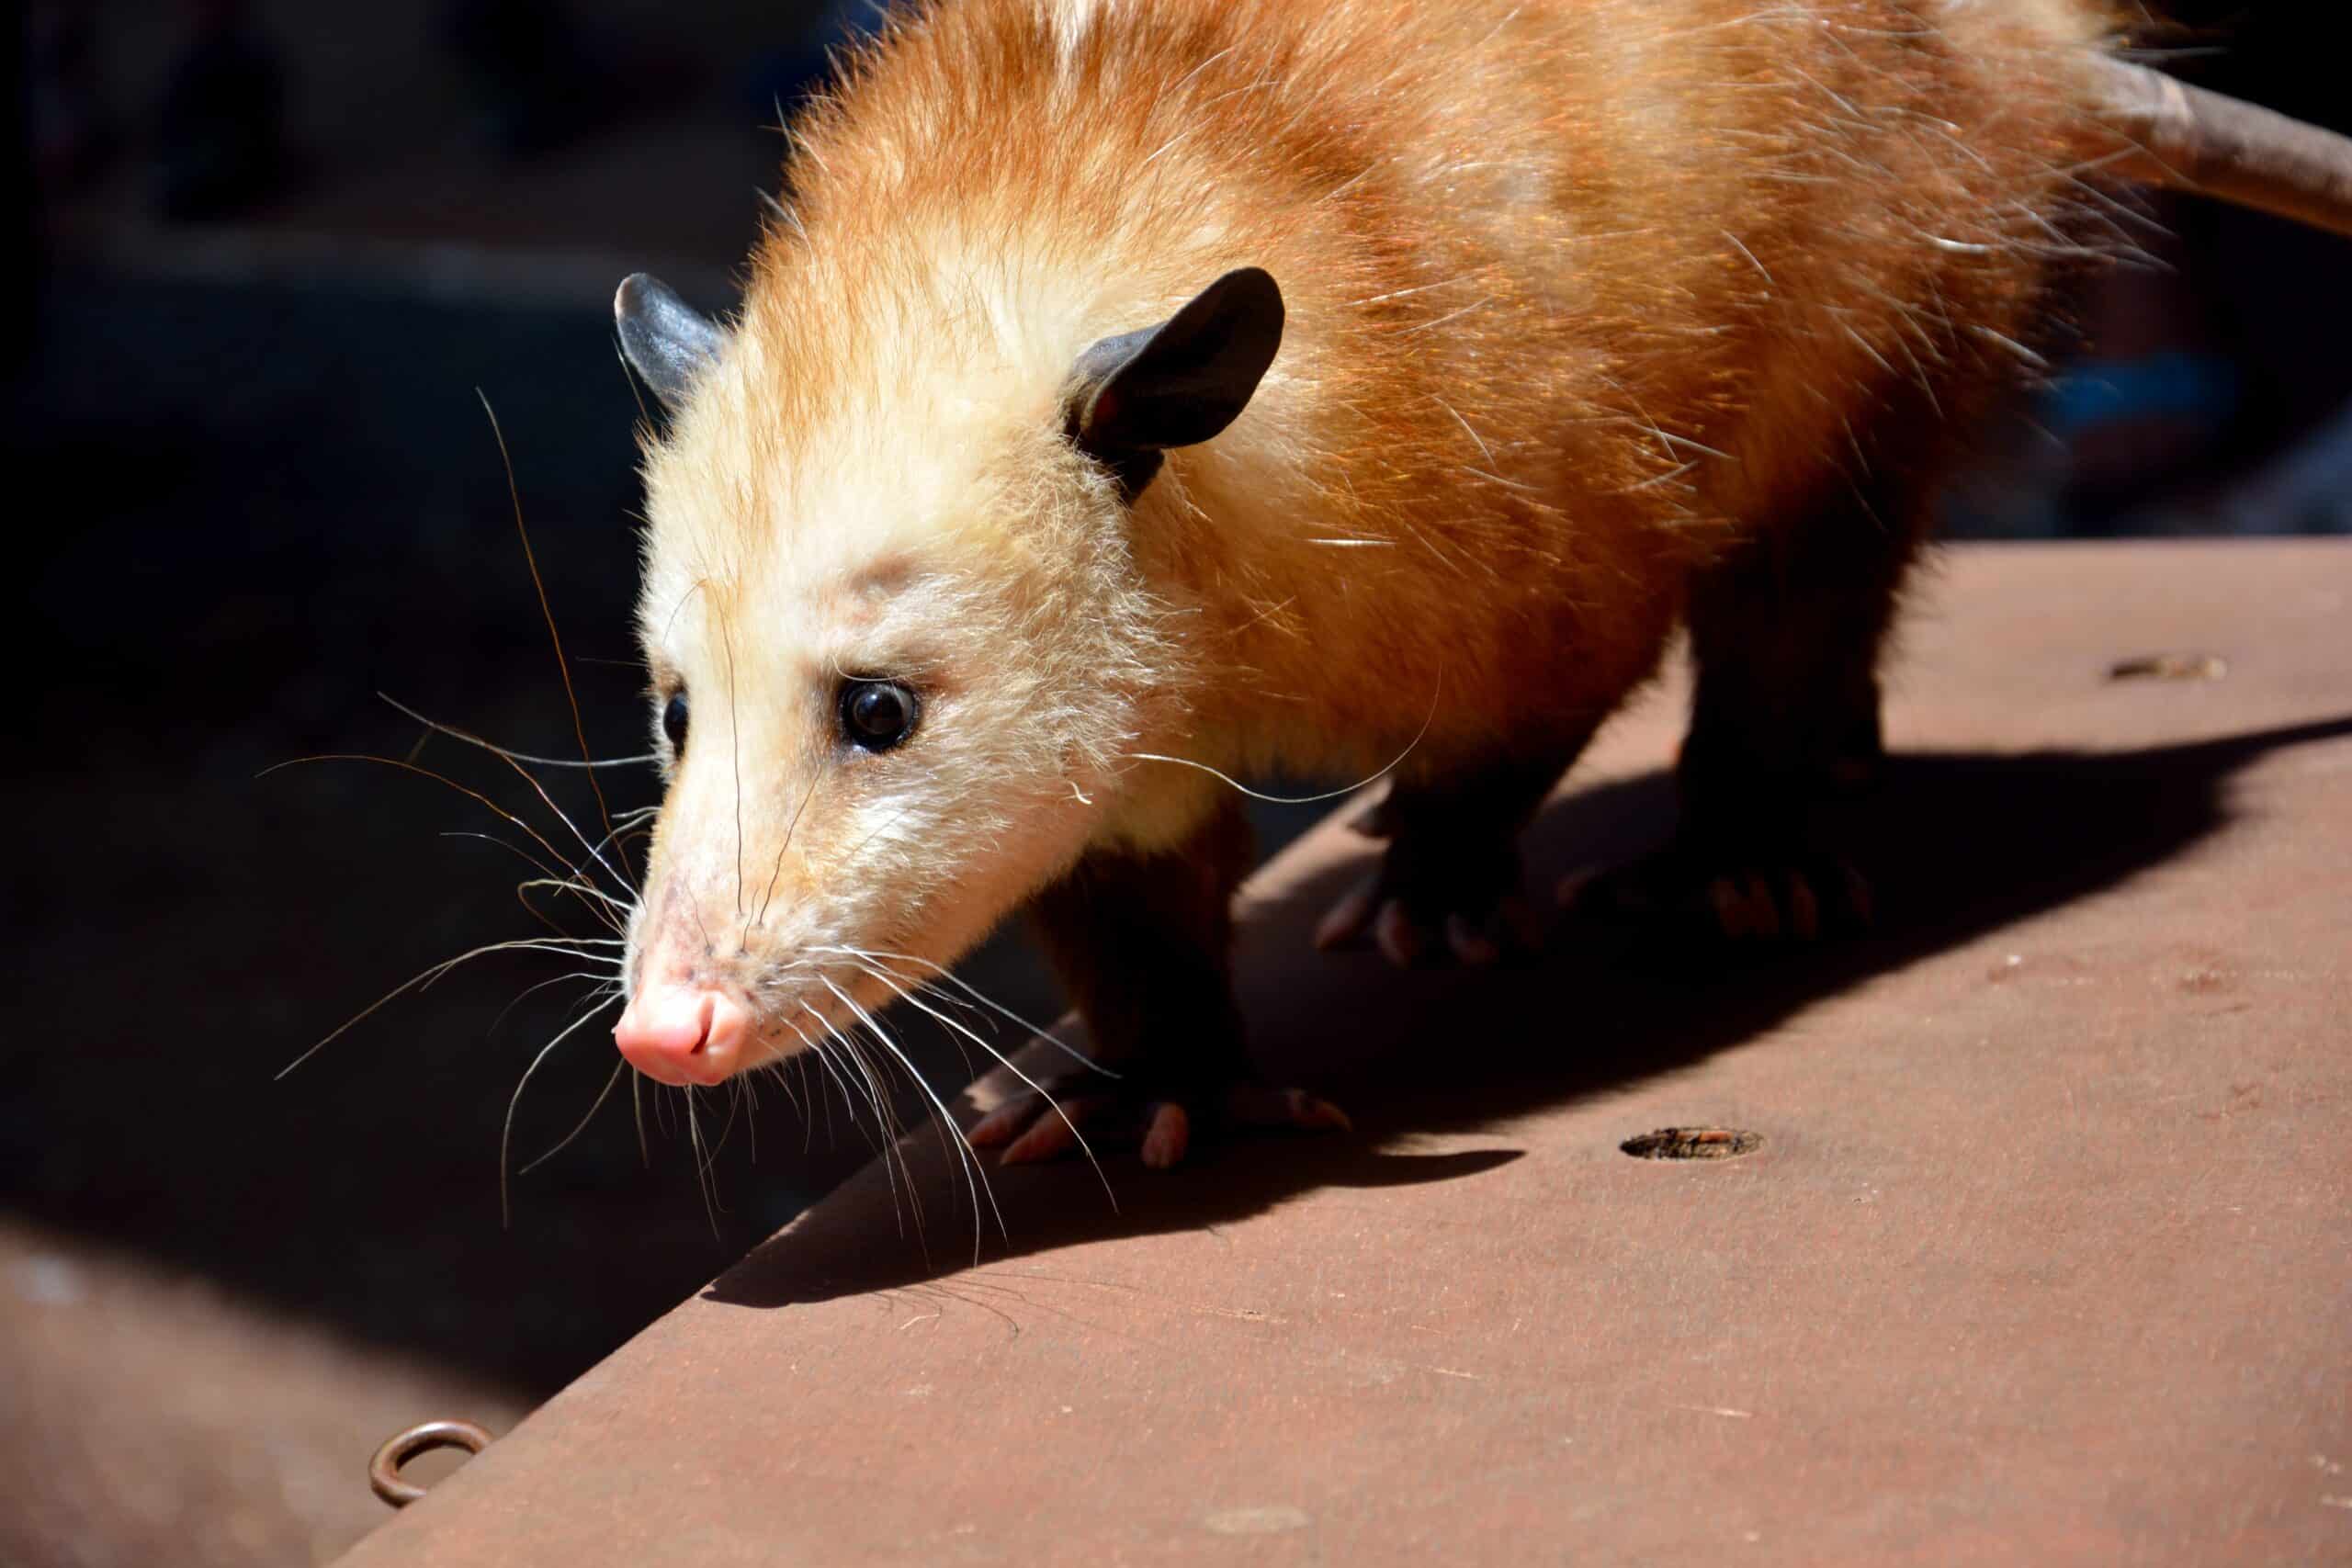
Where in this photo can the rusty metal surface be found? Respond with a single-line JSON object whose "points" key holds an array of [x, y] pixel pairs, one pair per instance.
{"points": [[2044, 1256], [151, 1415]]}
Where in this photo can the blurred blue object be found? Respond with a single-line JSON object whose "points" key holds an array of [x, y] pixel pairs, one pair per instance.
{"points": [[2170, 384]]}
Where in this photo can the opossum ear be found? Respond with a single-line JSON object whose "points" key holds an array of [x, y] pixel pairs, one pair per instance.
{"points": [[1179, 383], [664, 339]]}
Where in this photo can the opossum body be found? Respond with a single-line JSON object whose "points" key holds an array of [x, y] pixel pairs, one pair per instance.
{"points": [[1492, 340]]}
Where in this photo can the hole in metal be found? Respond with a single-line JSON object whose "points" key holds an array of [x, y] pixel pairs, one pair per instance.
{"points": [[2170, 667], [1693, 1143]]}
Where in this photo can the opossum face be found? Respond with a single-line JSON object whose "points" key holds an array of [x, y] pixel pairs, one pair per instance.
{"points": [[897, 651]]}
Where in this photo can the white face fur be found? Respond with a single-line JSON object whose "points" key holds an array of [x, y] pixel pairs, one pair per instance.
{"points": [[900, 653], [908, 654]]}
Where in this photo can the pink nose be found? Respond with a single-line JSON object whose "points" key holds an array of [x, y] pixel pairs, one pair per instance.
{"points": [[682, 1034]]}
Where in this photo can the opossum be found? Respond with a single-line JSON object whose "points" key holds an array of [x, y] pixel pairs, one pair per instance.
{"points": [[1130, 395]]}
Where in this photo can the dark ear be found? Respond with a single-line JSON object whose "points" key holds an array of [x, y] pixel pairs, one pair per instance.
{"points": [[664, 339], [1179, 383]]}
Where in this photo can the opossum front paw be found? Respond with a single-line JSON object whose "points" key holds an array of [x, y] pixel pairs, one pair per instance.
{"points": [[1161, 1121], [1798, 897], [1437, 890]]}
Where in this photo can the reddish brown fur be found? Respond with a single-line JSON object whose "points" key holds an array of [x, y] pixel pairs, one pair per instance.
{"points": [[1588, 301], [1756, 222]]}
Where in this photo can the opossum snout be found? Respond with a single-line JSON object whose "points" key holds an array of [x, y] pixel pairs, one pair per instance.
{"points": [[683, 1033]]}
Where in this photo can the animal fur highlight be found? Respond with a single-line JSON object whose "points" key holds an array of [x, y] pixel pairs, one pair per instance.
{"points": [[1594, 310]]}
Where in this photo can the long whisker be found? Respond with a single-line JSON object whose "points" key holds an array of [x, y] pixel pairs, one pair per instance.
{"points": [[896, 1146], [824, 1056], [637, 1109], [816, 1092], [749, 1084], [790, 828], [833, 1073], [1394, 764], [886, 1120], [548, 878], [798, 1061], [702, 1170], [727, 1128], [564, 885], [775, 1070], [1036, 1088], [473, 794], [1047, 1035], [975, 1175], [515, 493], [424, 977], [882, 1037], [565, 1143], [603, 982], [931, 989], [595, 853], [608, 910], [509, 753], [506, 1135], [735, 741]]}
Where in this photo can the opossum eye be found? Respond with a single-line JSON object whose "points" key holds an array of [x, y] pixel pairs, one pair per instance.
{"points": [[877, 714], [673, 720]]}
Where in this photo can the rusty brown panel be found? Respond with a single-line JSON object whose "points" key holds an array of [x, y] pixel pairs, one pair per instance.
{"points": [[2042, 1256]]}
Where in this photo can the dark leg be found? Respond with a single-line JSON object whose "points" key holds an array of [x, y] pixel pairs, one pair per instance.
{"points": [[1786, 634], [1451, 879], [1144, 946]]}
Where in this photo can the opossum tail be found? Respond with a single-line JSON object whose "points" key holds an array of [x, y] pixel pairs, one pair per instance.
{"points": [[2184, 138]]}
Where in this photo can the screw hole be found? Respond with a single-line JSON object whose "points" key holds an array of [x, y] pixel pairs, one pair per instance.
{"points": [[2170, 667], [1693, 1143]]}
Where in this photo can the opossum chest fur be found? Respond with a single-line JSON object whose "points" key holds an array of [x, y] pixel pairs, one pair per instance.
{"points": [[1279, 390]]}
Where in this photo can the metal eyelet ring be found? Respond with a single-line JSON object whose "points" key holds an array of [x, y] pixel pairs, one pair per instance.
{"points": [[384, 1469]]}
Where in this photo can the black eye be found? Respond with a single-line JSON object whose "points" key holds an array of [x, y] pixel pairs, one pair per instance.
{"points": [[877, 714], [673, 721]]}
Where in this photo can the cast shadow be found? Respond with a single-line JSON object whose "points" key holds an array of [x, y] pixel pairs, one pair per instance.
{"points": [[1959, 844]]}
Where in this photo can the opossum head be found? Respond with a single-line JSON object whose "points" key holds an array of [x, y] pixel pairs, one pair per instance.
{"points": [[898, 643]]}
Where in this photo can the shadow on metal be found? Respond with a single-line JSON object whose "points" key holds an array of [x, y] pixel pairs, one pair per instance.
{"points": [[1958, 845]]}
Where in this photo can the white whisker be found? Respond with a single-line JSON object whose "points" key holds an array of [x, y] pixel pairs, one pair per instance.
{"points": [[454, 733], [606, 984], [1011, 1066], [506, 1136], [424, 978], [606, 1093], [975, 1176], [1304, 800], [1047, 1035]]}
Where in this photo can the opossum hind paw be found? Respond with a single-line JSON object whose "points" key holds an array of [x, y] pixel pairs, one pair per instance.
{"points": [[1462, 902], [1160, 1121], [1799, 897]]}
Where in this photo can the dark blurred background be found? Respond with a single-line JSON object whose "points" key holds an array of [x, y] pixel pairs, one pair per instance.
{"points": [[267, 255]]}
